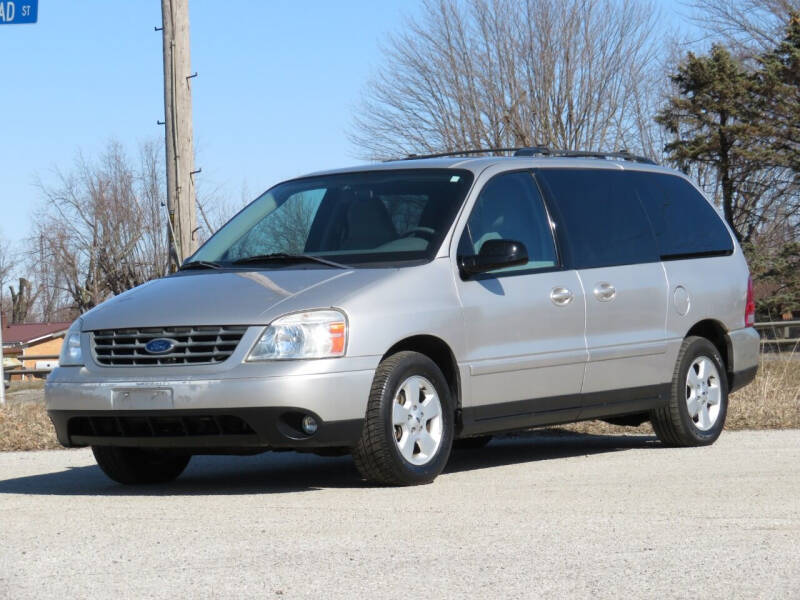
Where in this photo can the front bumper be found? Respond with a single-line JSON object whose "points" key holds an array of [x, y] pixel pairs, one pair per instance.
{"points": [[220, 412], [219, 430]]}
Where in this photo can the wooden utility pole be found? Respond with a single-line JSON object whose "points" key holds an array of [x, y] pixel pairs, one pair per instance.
{"points": [[178, 129]]}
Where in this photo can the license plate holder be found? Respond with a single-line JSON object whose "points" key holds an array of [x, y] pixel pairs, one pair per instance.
{"points": [[141, 398]]}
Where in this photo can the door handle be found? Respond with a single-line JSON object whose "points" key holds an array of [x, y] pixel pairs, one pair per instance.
{"points": [[560, 296], [605, 292]]}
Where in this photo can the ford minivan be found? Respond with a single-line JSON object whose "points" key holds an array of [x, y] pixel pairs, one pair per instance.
{"points": [[393, 310]]}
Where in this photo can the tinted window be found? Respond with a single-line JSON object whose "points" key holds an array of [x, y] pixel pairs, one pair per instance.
{"points": [[510, 208], [599, 217], [387, 217], [684, 223]]}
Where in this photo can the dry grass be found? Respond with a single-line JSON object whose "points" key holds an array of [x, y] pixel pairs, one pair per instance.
{"points": [[21, 386], [24, 424], [772, 401]]}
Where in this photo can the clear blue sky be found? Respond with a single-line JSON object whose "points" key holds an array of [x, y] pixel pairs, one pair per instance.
{"points": [[278, 83]]}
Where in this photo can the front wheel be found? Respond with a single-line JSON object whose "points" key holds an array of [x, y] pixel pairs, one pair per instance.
{"points": [[133, 466], [698, 402], [408, 430]]}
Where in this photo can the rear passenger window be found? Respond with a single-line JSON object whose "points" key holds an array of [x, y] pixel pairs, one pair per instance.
{"points": [[511, 208], [599, 216], [685, 224]]}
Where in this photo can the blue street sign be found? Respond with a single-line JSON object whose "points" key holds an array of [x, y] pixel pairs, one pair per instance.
{"points": [[13, 12]]}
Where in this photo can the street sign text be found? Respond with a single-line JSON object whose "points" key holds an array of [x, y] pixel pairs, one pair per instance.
{"points": [[14, 12]]}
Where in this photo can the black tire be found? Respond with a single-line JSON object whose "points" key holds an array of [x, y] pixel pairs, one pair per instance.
{"points": [[672, 423], [377, 455], [472, 443], [132, 466]]}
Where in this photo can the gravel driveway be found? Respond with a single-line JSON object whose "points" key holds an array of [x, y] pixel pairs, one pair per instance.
{"points": [[539, 515]]}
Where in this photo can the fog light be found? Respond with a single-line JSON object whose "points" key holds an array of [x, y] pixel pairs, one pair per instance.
{"points": [[309, 425]]}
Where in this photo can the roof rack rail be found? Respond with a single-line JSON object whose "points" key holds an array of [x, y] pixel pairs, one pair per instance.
{"points": [[458, 153], [621, 155], [539, 151]]}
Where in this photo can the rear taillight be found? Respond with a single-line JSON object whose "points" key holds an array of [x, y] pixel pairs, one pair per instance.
{"points": [[750, 305]]}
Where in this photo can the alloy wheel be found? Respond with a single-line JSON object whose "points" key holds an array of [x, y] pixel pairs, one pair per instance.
{"points": [[703, 393], [417, 420]]}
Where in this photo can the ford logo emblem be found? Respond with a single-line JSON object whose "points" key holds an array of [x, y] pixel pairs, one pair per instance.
{"points": [[159, 346]]}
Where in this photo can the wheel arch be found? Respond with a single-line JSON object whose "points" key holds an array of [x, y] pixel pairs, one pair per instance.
{"points": [[716, 333], [439, 352]]}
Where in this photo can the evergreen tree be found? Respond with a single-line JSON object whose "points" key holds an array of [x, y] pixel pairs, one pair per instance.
{"points": [[712, 117], [778, 90], [742, 121], [777, 81]]}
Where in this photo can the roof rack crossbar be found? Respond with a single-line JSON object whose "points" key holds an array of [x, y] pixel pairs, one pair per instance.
{"points": [[533, 151]]}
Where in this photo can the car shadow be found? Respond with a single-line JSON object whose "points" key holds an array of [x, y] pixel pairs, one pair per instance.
{"points": [[282, 472], [544, 444]]}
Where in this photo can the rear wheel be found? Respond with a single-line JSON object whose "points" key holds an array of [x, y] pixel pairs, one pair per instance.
{"points": [[698, 402], [138, 466], [408, 430]]}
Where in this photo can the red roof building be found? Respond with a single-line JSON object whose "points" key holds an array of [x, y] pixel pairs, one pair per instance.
{"points": [[29, 333], [35, 345]]}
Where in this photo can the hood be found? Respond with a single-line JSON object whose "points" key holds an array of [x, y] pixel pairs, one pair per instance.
{"points": [[226, 298]]}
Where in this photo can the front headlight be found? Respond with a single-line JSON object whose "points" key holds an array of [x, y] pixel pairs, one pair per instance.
{"points": [[71, 355], [312, 334]]}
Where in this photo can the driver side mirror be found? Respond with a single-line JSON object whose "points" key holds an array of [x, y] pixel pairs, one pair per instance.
{"points": [[494, 254]]}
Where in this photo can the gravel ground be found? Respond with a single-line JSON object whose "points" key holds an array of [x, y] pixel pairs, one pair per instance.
{"points": [[537, 515]]}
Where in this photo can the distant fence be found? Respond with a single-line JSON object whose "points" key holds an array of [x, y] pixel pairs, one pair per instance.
{"points": [[38, 372], [779, 335]]}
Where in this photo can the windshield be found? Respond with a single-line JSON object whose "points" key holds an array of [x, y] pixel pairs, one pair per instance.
{"points": [[370, 218]]}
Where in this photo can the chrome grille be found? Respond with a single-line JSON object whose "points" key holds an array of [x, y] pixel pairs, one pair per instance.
{"points": [[192, 345]]}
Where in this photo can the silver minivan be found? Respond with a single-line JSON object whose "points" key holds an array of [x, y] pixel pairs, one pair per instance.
{"points": [[394, 310]]}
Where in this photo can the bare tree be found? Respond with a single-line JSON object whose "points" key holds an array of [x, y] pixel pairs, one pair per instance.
{"points": [[571, 74], [151, 189], [5, 262], [22, 301], [50, 299], [747, 27], [6, 265], [102, 228]]}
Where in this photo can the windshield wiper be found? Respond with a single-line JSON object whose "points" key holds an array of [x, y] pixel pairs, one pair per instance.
{"points": [[200, 264], [285, 257]]}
